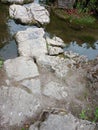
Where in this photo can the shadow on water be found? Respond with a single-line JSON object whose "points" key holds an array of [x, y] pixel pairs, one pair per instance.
{"points": [[4, 32], [8, 47], [86, 36]]}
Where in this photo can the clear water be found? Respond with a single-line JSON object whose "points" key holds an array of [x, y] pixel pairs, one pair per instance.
{"points": [[80, 40], [87, 38], [8, 46], [84, 49]]}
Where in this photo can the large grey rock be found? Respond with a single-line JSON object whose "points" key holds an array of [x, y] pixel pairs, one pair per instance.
{"points": [[39, 13], [20, 13], [65, 122], [16, 1], [21, 68], [31, 42], [17, 105], [68, 84], [29, 13]]}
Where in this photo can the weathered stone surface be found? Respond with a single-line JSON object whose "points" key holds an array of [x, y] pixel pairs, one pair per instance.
{"points": [[16, 105], [70, 54], [66, 122], [21, 68], [76, 57], [39, 13], [20, 13], [31, 42], [55, 90], [55, 41], [68, 84], [33, 127], [32, 86], [29, 13], [16, 1], [57, 64], [54, 50]]}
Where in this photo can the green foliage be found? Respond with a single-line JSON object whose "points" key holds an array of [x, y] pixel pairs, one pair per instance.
{"points": [[85, 19], [22, 129], [96, 115], [83, 115], [87, 5], [75, 16]]}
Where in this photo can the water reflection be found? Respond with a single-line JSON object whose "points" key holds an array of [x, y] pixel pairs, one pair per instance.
{"points": [[83, 49], [4, 31], [86, 37], [59, 28], [9, 51]]}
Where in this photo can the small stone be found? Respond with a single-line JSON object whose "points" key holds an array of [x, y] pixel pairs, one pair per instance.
{"points": [[54, 50]]}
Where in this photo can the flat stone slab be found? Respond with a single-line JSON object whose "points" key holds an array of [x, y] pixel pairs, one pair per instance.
{"points": [[29, 13], [16, 106], [21, 68], [31, 42]]}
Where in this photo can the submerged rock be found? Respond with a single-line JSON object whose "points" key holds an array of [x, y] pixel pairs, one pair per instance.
{"points": [[29, 14]]}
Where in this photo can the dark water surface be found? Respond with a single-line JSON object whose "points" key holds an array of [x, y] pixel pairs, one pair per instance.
{"points": [[8, 47], [80, 39], [4, 31]]}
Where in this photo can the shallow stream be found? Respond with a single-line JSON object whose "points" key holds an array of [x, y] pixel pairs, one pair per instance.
{"points": [[83, 41]]}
